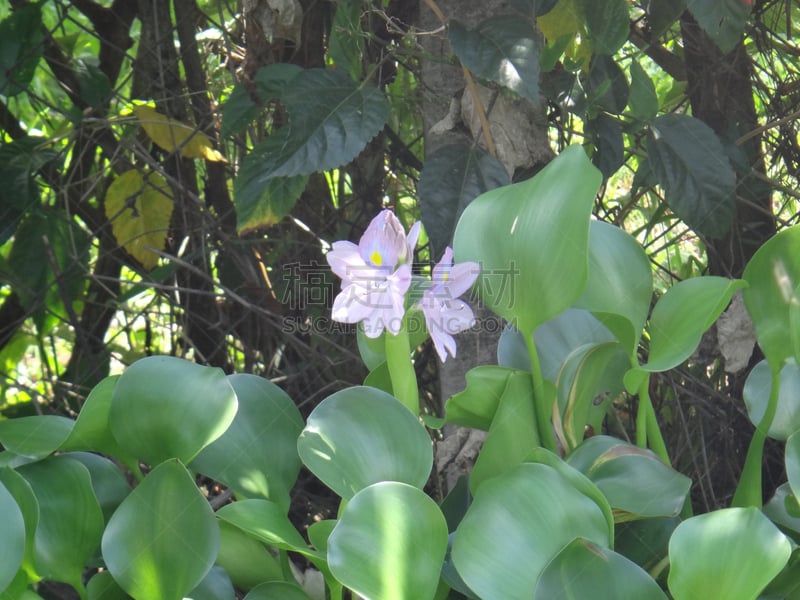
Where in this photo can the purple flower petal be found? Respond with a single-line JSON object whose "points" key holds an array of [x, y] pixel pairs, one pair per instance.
{"points": [[384, 241]]}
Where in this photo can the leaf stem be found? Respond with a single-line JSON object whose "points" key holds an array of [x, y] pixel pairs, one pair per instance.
{"points": [[748, 492], [647, 429], [542, 408], [401, 369]]}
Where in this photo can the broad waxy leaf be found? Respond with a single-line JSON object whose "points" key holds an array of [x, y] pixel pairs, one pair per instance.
{"points": [[608, 24], [774, 275], [246, 560], [360, 436], [792, 454], [257, 454], [531, 239], [691, 165], [108, 481], [389, 543], [502, 49], [12, 542], [266, 521], [518, 522], [171, 135], [584, 570], [730, 553], [21, 47], [645, 541], [477, 404], [723, 20], [276, 590], [70, 519], [453, 176], [163, 539], [756, 398], [194, 404], [18, 487], [140, 209], [35, 437], [102, 586], [783, 510], [216, 585]]}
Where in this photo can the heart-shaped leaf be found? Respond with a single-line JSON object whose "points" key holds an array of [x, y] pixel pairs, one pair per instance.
{"points": [[390, 542], [165, 407], [163, 539], [360, 436], [257, 454], [731, 553], [528, 236]]}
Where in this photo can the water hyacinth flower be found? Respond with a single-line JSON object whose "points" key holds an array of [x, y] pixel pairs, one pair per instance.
{"points": [[445, 314], [375, 275]]}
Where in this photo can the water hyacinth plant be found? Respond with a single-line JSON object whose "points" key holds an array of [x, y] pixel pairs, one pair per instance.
{"points": [[109, 503]]}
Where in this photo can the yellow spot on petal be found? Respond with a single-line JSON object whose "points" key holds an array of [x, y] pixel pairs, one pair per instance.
{"points": [[376, 258]]}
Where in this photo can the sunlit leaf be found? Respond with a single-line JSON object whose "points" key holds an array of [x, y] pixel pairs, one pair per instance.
{"points": [[792, 454], [139, 208], [265, 521], [564, 19], [102, 586], [476, 405], [730, 553], [756, 397], [360, 436], [389, 543], [35, 437], [246, 560], [163, 539], [531, 239], [171, 135], [277, 590]]}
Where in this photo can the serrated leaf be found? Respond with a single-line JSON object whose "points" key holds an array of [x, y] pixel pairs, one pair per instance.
{"points": [[608, 24], [261, 203], [643, 100], [20, 48], [139, 208], [452, 177], [171, 135], [502, 49], [690, 164], [605, 132], [723, 20]]}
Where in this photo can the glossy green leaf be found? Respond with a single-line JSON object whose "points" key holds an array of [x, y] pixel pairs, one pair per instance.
{"points": [[792, 456], [635, 481], [539, 228], [723, 20], [245, 559], [12, 542], [360, 436], [266, 521], [730, 553], [109, 483], [453, 176], [585, 570], [216, 585], [756, 397], [257, 454], [518, 522], [682, 315], [165, 407], [389, 543], [643, 100], [277, 590], [774, 275], [163, 539], [620, 284], [70, 520], [477, 404], [691, 165], [34, 437], [21, 46], [319, 532], [26, 501], [645, 541], [102, 586], [503, 49], [607, 23], [513, 433], [784, 510]]}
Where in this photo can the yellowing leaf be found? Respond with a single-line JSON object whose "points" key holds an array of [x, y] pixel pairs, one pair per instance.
{"points": [[564, 19], [139, 209], [172, 135]]}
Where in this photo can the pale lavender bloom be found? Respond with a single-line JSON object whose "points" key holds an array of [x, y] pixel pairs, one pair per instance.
{"points": [[373, 285], [445, 314]]}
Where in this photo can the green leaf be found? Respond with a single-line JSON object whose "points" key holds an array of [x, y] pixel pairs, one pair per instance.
{"points": [[620, 284], [266, 521], [216, 585], [608, 24], [257, 454], [605, 132], [518, 522], [783, 510], [360, 436], [165, 407], [102, 586], [25, 499], [792, 454], [585, 570], [263, 202], [690, 164], [730, 553], [502, 49], [277, 590], [453, 176], [635, 481], [35, 437], [774, 275], [94, 85], [347, 39], [70, 520], [756, 397], [477, 404], [682, 315], [12, 543], [534, 8], [108, 481], [163, 539], [645, 541], [139, 209], [538, 228], [244, 558], [607, 85], [21, 45], [723, 20], [643, 100], [389, 543], [661, 14]]}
